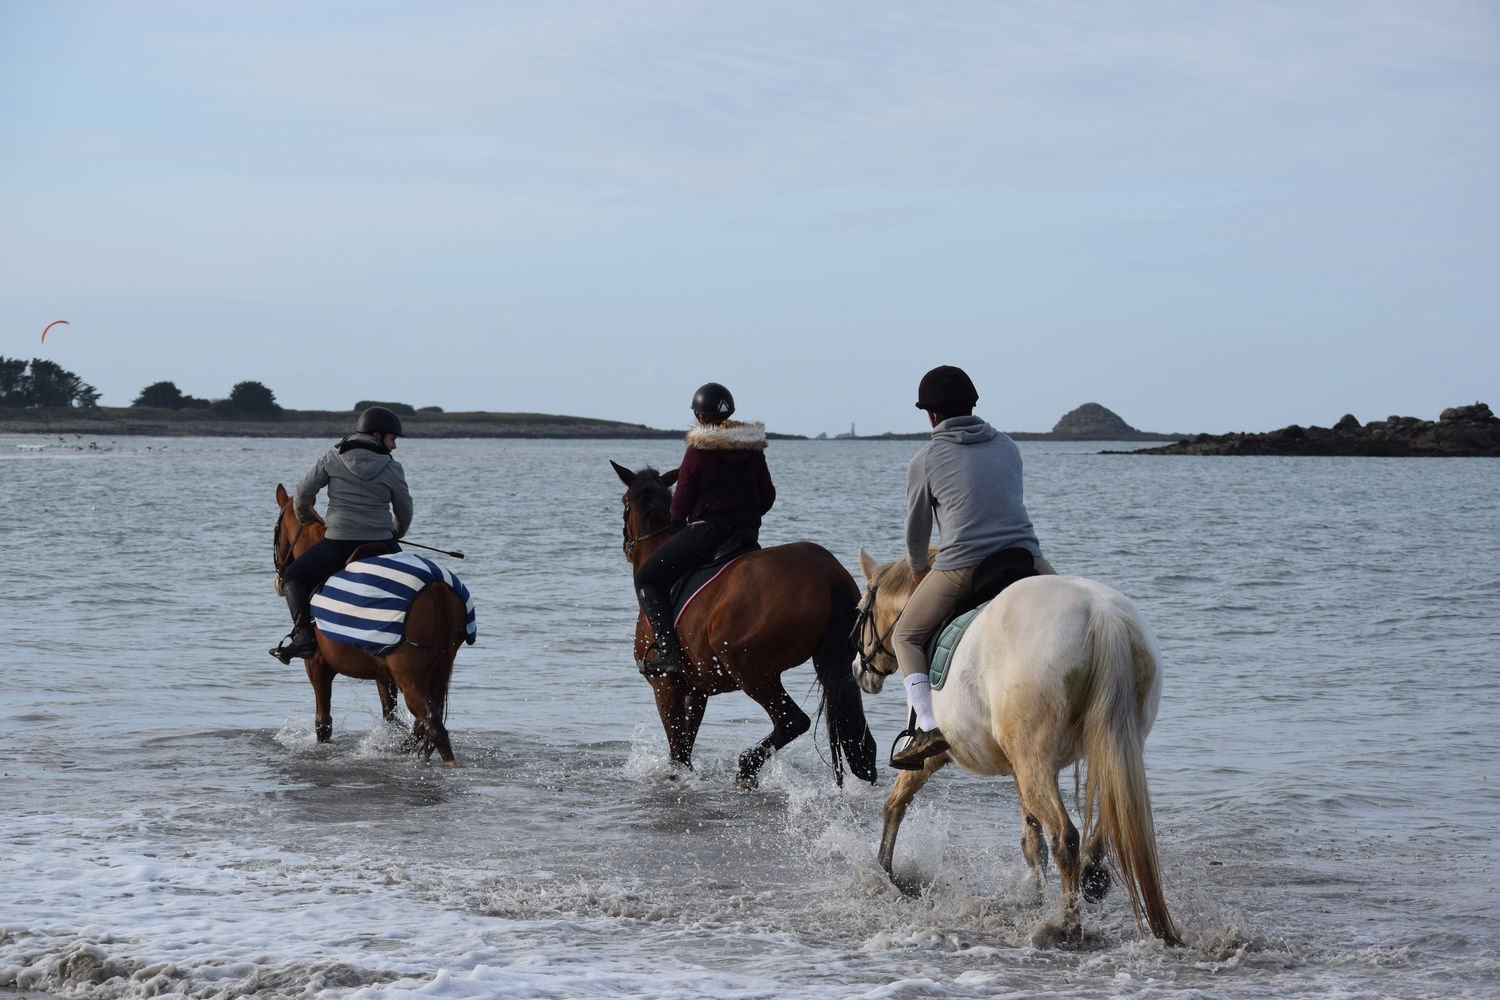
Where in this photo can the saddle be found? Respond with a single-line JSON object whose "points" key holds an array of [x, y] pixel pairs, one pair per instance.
{"points": [[687, 587], [998, 571], [368, 550]]}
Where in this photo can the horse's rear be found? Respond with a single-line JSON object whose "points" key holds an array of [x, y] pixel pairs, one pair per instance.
{"points": [[1056, 670], [1071, 672], [420, 667], [766, 613]]}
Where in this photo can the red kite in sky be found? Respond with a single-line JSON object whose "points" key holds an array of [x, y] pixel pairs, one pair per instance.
{"points": [[50, 326]]}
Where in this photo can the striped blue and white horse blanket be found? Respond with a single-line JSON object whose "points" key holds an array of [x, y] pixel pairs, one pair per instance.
{"points": [[364, 605]]}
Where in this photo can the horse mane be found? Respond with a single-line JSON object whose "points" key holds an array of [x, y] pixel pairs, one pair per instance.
{"points": [[897, 575], [652, 497]]}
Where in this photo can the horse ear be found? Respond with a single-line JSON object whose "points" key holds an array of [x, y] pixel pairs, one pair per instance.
{"points": [[626, 476], [281, 495], [867, 565], [668, 478]]}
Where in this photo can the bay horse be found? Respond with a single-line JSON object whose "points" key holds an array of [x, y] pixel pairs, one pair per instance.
{"points": [[767, 612], [1053, 670], [420, 667]]}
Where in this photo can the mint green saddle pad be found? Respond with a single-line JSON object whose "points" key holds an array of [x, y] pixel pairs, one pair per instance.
{"points": [[942, 654]]}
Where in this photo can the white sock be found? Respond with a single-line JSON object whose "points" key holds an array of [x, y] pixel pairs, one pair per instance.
{"points": [[919, 696]]}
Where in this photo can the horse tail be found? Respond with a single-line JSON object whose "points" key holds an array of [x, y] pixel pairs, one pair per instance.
{"points": [[841, 706], [453, 623], [1117, 802]]}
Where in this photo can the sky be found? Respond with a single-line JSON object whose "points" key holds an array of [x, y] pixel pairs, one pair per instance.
{"points": [[1207, 217]]}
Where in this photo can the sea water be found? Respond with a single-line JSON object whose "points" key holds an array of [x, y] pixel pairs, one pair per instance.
{"points": [[1323, 769]]}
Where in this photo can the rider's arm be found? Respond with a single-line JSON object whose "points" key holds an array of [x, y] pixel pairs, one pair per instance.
{"points": [[685, 493], [918, 516], [400, 500], [307, 491], [767, 488]]}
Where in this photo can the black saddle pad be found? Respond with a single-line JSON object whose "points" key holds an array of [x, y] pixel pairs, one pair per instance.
{"points": [[735, 546], [998, 571]]}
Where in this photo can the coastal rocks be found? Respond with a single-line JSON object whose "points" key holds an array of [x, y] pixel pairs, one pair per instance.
{"points": [[1460, 432]]}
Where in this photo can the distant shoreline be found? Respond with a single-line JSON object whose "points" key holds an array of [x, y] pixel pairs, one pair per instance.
{"points": [[152, 422]]}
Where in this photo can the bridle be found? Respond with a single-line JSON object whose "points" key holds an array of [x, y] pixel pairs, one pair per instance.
{"points": [[864, 626], [276, 559], [631, 541]]}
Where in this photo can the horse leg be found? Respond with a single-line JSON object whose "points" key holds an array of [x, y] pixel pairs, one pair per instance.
{"points": [[1034, 849], [788, 722], [387, 689], [680, 707], [437, 701], [320, 675], [1096, 878], [908, 784], [427, 730], [1042, 805]]}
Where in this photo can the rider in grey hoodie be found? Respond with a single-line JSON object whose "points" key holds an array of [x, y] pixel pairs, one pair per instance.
{"points": [[969, 480], [367, 502]]}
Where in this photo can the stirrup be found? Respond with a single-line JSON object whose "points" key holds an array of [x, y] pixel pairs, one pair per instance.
{"points": [[286, 652], [909, 734], [654, 668]]}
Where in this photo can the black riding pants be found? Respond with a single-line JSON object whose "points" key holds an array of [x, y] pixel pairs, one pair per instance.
{"points": [[692, 546], [325, 558]]}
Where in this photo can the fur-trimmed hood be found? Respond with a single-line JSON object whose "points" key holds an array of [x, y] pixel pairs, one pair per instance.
{"points": [[728, 435]]}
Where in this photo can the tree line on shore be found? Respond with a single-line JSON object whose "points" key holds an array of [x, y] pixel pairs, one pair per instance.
{"points": [[39, 384]]}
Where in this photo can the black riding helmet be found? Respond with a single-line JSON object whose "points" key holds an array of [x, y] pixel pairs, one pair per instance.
{"points": [[946, 389], [379, 420], [713, 402]]}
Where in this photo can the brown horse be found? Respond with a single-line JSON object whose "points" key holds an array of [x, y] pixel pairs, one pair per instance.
{"points": [[420, 667], [766, 613]]}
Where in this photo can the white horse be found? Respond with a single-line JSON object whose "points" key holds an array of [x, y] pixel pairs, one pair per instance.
{"points": [[1054, 670]]}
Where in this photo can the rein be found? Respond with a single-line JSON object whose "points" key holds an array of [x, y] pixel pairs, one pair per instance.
{"points": [[631, 541], [864, 623]]}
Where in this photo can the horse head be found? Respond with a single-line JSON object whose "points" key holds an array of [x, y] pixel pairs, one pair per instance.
{"points": [[648, 504], [887, 589], [290, 538]]}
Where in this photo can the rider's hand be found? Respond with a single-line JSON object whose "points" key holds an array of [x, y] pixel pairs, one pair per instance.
{"points": [[918, 578]]}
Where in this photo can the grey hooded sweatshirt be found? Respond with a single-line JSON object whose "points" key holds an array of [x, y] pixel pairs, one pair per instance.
{"points": [[969, 478], [364, 488]]}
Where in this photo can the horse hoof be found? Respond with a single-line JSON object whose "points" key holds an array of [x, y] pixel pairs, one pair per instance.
{"points": [[910, 887], [1052, 935], [747, 783], [450, 763]]}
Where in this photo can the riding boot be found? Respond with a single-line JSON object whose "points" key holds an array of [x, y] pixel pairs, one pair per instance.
{"points": [[302, 641], [658, 608]]}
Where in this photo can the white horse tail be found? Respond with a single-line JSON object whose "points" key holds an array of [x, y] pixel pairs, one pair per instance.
{"points": [[1117, 803]]}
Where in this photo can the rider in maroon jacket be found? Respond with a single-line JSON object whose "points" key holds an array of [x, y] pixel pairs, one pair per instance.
{"points": [[723, 489]]}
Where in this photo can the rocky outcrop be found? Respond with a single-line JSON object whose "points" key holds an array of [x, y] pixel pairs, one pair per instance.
{"points": [[1460, 432], [1092, 422]]}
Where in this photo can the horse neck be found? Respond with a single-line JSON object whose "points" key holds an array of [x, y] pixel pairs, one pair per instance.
{"points": [[644, 549]]}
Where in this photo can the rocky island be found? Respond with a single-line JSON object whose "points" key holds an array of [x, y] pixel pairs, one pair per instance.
{"points": [[1459, 432]]}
